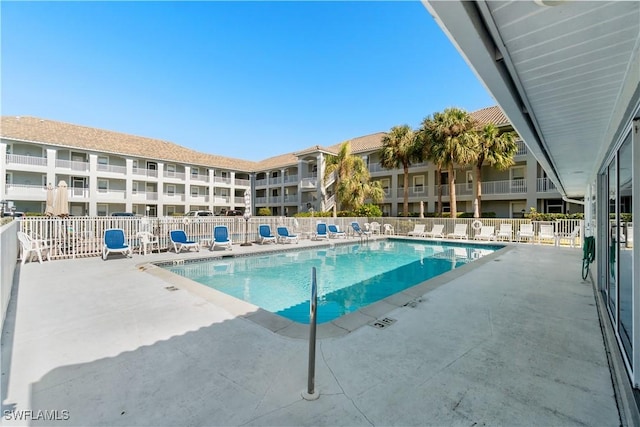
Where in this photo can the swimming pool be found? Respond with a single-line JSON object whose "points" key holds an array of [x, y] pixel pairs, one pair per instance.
{"points": [[349, 276]]}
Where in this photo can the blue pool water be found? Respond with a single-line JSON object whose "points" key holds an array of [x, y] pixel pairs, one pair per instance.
{"points": [[349, 276]]}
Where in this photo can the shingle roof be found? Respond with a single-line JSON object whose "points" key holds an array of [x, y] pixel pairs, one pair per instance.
{"points": [[491, 115], [49, 132], [74, 136]]}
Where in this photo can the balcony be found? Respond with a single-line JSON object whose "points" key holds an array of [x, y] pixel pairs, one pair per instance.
{"points": [[26, 160], [173, 197], [179, 176], [222, 200], [242, 183], [506, 187], [545, 185], [419, 191], [199, 177], [221, 180], [201, 198], [291, 198], [291, 179], [309, 183], [152, 173], [73, 165], [522, 148], [261, 183], [141, 196], [275, 181], [25, 191], [112, 169], [111, 195]]}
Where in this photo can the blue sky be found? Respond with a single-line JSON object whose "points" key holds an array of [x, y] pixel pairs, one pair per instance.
{"points": [[248, 80]]}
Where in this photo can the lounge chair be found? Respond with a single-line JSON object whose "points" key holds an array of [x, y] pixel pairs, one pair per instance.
{"points": [[459, 232], [180, 240], [525, 232], [285, 237], [505, 232], [264, 233], [147, 240], [486, 233], [359, 231], [546, 233], [31, 247], [220, 237], [418, 231], [321, 231], [114, 241], [436, 231], [335, 232]]}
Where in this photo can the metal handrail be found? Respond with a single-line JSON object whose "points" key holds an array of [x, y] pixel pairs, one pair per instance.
{"points": [[311, 393]]}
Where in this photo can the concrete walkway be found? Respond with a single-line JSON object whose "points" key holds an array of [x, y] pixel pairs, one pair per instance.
{"points": [[514, 341]]}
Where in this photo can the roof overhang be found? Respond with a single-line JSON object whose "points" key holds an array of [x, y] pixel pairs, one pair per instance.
{"points": [[566, 74]]}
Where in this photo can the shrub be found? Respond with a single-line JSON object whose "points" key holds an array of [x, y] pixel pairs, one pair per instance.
{"points": [[264, 212]]}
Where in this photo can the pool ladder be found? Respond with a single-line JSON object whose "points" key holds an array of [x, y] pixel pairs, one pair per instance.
{"points": [[311, 393]]}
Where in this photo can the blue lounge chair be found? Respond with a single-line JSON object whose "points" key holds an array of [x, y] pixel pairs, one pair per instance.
{"points": [[335, 232], [220, 237], [264, 232], [114, 241], [179, 240], [321, 231], [285, 237], [359, 231]]}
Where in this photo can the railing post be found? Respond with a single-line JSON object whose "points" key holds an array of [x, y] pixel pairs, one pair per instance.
{"points": [[311, 393]]}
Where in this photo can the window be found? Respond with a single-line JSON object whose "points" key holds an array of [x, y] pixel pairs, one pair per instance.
{"points": [[469, 180], [102, 209], [171, 170], [195, 172], [171, 190], [134, 165], [171, 210], [103, 186], [195, 191], [418, 183], [134, 187], [103, 163]]}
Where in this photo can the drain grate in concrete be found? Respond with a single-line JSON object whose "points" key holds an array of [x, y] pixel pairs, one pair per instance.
{"points": [[171, 288], [383, 323]]}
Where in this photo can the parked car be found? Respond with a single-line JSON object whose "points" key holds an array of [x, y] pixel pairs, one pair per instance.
{"points": [[234, 212], [13, 214], [123, 214], [199, 213]]}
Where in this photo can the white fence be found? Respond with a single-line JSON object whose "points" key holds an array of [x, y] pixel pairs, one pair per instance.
{"points": [[83, 236]]}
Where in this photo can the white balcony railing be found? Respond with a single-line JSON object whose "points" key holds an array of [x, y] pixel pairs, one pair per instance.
{"points": [[242, 183], [309, 183], [112, 169], [173, 197], [545, 185], [291, 179], [109, 195], [26, 190], [261, 200], [199, 177], [73, 165], [522, 148], [261, 183], [174, 175], [419, 191], [221, 180], [26, 160], [153, 173], [275, 181]]}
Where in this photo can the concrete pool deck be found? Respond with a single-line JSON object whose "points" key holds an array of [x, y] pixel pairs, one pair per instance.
{"points": [[514, 341]]}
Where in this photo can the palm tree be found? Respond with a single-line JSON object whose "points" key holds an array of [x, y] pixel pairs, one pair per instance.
{"points": [[353, 184], [453, 142], [495, 148], [428, 153], [401, 147]]}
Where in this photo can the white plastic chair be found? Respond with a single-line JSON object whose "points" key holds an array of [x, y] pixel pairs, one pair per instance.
{"points": [[486, 233], [418, 231], [436, 231], [147, 240], [31, 247], [459, 232], [505, 232], [388, 229], [546, 233], [525, 232]]}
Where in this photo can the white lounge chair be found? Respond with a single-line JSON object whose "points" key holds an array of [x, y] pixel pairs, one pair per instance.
{"points": [[31, 247], [147, 240], [459, 232], [486, 233], [505, 232], [546, 233], [525, 232], [221, 237], [436, 231], [418, 231], [114, 241]]}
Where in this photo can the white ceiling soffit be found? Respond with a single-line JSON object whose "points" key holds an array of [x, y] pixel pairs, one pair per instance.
{"points": [[566, 73]]}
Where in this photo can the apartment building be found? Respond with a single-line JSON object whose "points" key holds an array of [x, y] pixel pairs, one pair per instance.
{"points": [[110, 172]]}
